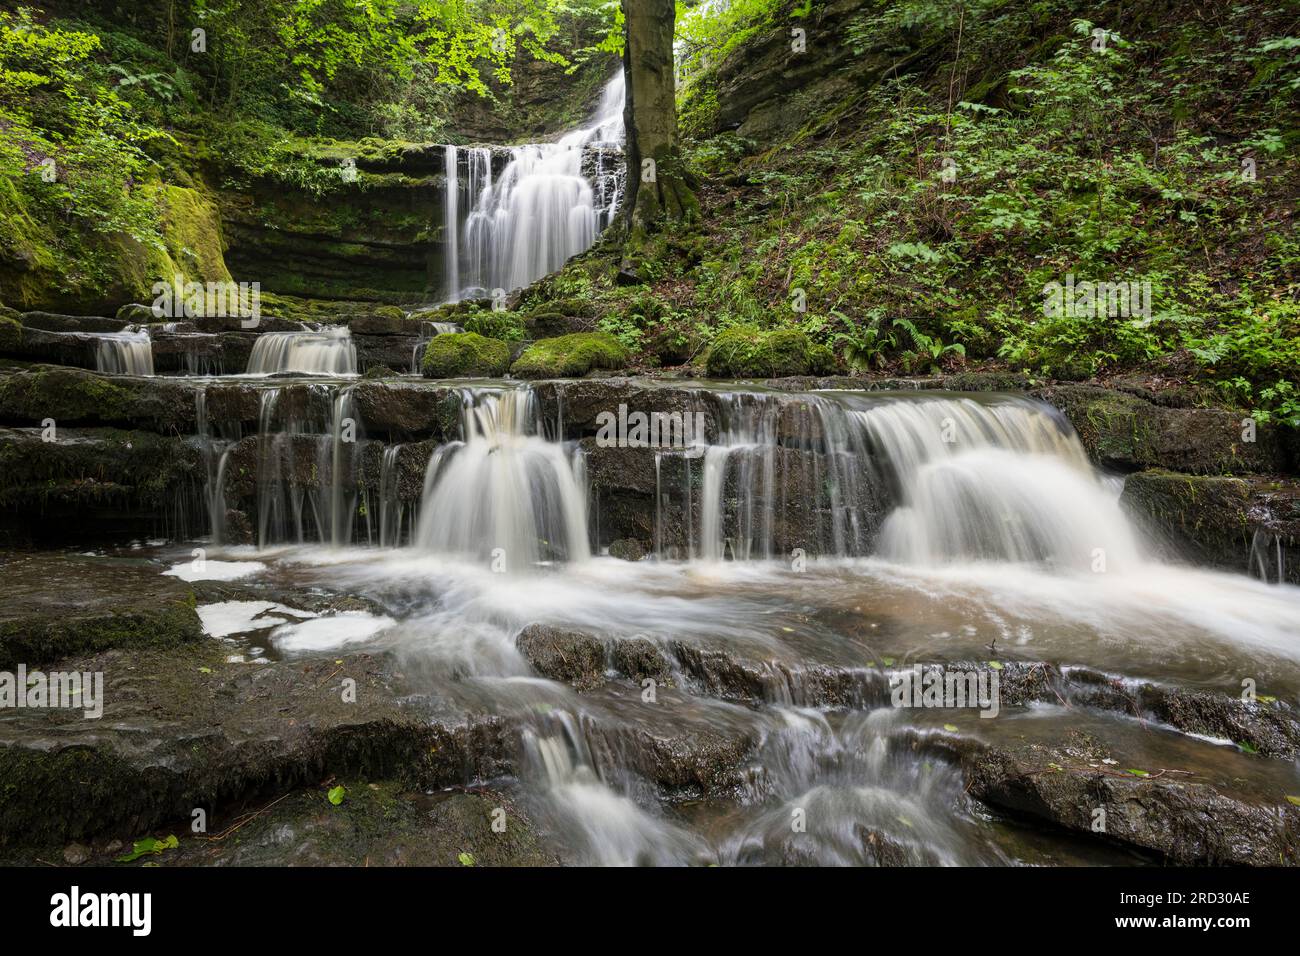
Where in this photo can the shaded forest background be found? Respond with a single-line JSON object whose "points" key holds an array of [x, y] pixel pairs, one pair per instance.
{"points": [[892, 198]]}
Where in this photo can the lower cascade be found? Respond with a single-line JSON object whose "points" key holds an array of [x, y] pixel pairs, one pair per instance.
{"points": [[327, 352]]}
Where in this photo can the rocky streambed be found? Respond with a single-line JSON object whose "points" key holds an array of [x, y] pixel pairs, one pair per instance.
{"points": [[732, 706]]}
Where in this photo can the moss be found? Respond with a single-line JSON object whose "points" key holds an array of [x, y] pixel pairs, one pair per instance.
{"points": [[465, 355], [569, 356], [506, 326], [746, 351], [11, 334], [71, 395]]}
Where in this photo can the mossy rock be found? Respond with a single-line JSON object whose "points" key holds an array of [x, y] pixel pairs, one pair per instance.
{"points": [[746, 351], [136, 313], [571, 356], [11, 334], [505, 326], [465, 355]]}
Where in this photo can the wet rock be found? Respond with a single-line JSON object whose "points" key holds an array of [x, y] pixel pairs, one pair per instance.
{"points": [[76, 397], [1237, 524], [639, 659], [185, 728], [570, 657], [115, 481], [57, 606], [377, 824], [1183, 820], [54, 322], [627, 549], [74, 854], [1125, 433]]}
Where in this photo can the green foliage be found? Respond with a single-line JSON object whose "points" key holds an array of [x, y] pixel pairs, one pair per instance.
{"points": [[465, 355], [506, 326], [747, 351], [148, 846], [71, 145], [571, 356], [336, 794]]}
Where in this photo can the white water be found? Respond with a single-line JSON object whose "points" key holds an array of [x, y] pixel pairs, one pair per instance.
{"points": [[538, 213], [328, 352], [505, 492], [948, 528], [124, 353]]}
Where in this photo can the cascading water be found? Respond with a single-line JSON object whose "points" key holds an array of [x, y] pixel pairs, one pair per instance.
{"points": [[936, 526], [327, 352], [960, 479], [124, 353], [539, 212], [505, 492]]}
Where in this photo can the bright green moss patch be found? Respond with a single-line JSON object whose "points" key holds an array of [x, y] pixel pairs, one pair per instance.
{"points": [[465, 355], [570, 356], [746, 351], [506, 326]]}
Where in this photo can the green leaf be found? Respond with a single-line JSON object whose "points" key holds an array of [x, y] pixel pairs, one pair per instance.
{"points": [[466, 859], [1139, 773], [148, 846], [1248, 747], [337, 794], [997, 666], [951, 728], [1291, 799]]}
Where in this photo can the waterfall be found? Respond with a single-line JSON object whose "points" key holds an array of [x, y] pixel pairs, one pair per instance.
{"points": [[327, 352], [505, 493], [451, 223], [542, 210], [124, 353], [923, 480]]}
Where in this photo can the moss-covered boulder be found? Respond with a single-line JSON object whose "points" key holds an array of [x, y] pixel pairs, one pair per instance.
{"points": [[570, 356], [11, 335], [506, 326], [465, 355], [747, 351]]}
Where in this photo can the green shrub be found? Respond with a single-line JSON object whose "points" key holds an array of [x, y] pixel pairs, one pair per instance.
{"points": [[465, 355], [570, 356]]}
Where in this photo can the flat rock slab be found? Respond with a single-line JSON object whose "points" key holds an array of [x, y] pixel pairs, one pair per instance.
{"points": [[56, 606], [183, 728], [1182, 799]]}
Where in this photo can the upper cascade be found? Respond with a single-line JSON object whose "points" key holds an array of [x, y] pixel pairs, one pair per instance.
{"points": [[540, 212]]}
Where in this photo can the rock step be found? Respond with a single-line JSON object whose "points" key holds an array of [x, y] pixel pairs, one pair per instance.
{"points": [[586, 661], [1186, 800]]}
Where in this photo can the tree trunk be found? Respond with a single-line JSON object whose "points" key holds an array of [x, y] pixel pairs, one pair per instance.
{"points": [[659, 189]]}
